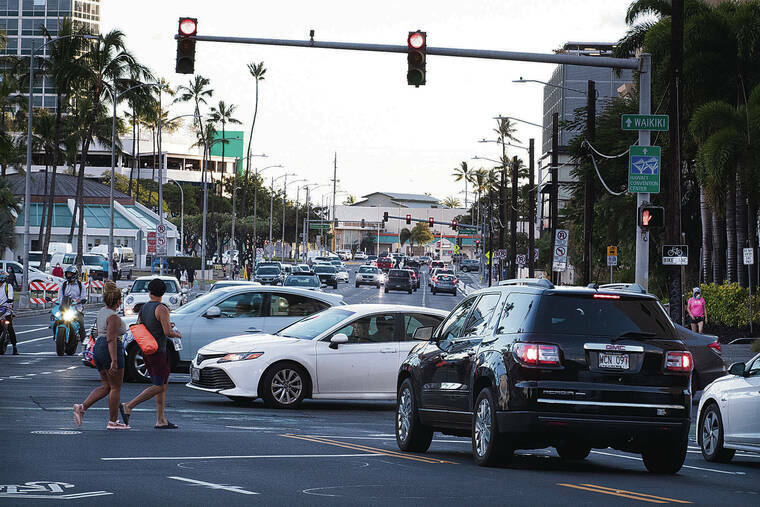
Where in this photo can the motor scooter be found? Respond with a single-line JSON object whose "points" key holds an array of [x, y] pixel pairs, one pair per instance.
{"points": [[65, 326], [6, 317]]}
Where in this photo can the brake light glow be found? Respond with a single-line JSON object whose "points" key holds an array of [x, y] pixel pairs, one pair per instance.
{"points": [[538, 355], [606, 296], [455, 281], [715, 346], [678, 361]]}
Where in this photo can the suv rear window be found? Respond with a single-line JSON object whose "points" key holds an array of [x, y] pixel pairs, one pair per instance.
{"points": [[398, 273], [584, 315], [368, 269]]}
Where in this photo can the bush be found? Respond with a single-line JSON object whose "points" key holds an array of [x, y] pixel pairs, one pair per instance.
{"points": [[184, 262], [727, 305]]}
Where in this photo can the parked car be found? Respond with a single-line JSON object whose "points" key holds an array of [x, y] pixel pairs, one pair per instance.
{"points": [[230, 312], [35, 275], [708, 362], [727, 419], [303, 280], [269, 275], [399, 279], [443, 282], [345, 352], [138, 294], [221, 284], [469, 265], [369, 275], [525, 365], [327, 274]]}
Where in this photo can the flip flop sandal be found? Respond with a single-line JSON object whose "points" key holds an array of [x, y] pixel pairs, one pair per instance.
{"points": [[118, 425], [167, 426], [124, 415]]}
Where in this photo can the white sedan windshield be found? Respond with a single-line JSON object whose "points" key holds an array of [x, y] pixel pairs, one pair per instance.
{"points": [[314, 325]]}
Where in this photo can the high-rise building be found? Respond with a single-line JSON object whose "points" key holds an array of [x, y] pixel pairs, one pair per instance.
{"points": [[22, 22]]}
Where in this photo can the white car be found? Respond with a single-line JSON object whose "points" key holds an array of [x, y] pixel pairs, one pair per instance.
{"points": [[342, 274], [345, 352], [35, 275], [231, 311], [138, 294], [729, 413], [360, 256], [369, 275]]}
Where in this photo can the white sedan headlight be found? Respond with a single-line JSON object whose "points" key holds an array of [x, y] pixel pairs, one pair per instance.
{"points": [[241, 356]]}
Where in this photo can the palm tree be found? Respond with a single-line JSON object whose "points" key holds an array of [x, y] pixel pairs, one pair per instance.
{"points": [[65, 68], [12, 152], [108, 68], [350, 200], [223, 114], [257, 71], [9, 210], [198, 92], [451, 202], [463, 173], [404, 235]]}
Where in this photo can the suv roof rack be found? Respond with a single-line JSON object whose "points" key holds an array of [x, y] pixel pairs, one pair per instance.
{"points": [[626, 287], [535, 282]]}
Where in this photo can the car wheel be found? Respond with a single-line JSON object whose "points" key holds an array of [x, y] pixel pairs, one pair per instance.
{"points": [[665, 457], [488, 445], [573, 452], [136, 370], [284, 386], [411, 434], [710, 436]]}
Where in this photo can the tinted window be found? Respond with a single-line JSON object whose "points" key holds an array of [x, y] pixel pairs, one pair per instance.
{"points": [[246, 304], [452, 328], [294, 305], [302, 281], [324, 269], [314, 325], [583, 315], [372, 329], [416, 320], [398, 273], [481, 315], [368, 269], [69, 258], [93, 259], [515, 312], [267, 271]]}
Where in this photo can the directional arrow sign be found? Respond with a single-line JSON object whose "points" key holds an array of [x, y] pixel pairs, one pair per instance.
{"points": [[644, 169], [654, 122]]}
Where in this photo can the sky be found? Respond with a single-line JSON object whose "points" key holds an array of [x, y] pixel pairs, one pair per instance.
{"points": [[314, 103]]}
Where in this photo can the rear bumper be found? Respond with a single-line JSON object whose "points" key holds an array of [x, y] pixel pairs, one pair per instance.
{"points": [[597, 430]]}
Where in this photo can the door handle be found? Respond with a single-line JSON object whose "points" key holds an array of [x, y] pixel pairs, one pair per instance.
{"points": [[387, 351], [253, 330]]}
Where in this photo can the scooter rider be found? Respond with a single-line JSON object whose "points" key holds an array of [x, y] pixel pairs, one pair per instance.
{"points": [[74, 289], [6, 305]]}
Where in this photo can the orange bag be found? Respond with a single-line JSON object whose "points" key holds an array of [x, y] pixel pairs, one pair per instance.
{"points": [[144, 338]]}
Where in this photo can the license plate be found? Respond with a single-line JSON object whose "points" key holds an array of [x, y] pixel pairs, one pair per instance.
{"points": [[613, 361], [195, 374]]}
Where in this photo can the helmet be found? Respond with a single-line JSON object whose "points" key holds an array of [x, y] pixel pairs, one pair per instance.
{"points": [[696, 291], [71, 273], [3, 276]]}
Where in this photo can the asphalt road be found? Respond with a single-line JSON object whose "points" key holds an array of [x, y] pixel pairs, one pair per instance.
{"points": [[336, 453]]}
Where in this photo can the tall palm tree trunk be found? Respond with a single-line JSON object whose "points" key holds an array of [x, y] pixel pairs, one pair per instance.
{"points": [[137, 165], [719, 261], [706, 216], [43, 215], [132, 170], [153, 164], [741, 233], [752, 240], [731, 231], [51, 198]]}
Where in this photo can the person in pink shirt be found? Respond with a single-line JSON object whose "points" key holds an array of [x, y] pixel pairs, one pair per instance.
{"points": [[697, 309]]}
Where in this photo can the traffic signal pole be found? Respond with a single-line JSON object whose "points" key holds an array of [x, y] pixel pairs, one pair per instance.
{"points": [[642, 236], [588, 208]]}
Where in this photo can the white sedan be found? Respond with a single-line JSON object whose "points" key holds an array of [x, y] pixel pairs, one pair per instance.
{"points": [[729, 413], [138, 294], [345, 352]]}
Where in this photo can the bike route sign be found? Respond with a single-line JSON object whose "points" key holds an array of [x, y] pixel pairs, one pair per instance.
{"points": [[675, 255], [644, 170]]}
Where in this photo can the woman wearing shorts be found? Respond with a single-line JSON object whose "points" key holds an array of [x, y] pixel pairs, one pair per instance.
{"points": [[108, 355], [697, 310], [155, 316]]}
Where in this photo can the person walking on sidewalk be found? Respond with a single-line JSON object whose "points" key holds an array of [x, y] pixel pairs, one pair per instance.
{"points": [[155, 316], [697, 310], [108, 355]]}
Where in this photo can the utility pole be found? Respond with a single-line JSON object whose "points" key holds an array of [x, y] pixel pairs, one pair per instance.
{"points": [[642, 236], [531, 208], [513, 223], [554, 192], [335, 186], [284, 204], [588, 208], [490, 236]]}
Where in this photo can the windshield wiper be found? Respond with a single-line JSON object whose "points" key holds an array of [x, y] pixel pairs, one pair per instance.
{"points": [[633, 334]]}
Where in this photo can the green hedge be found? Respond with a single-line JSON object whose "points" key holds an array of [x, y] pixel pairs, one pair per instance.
{"points": [[727, 305], [184, 262]]}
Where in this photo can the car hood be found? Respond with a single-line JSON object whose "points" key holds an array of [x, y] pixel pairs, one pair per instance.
{"points": [[246, 343]]}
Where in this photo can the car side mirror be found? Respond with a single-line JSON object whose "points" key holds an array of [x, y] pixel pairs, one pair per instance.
{"points": [[337, 340], [423, 333], [737, 369], [213, 312]]}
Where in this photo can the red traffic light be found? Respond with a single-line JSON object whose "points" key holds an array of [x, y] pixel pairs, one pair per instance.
{"points": [[408, 219], [416, 40], [188, 26], [431, 221], [454, 224]]}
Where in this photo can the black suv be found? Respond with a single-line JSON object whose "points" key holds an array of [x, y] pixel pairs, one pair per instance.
{"points": [[327, 274], [399, 279], [526, 365]]}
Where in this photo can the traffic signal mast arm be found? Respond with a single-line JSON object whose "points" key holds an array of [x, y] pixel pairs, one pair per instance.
{"points": [[427, 221]]}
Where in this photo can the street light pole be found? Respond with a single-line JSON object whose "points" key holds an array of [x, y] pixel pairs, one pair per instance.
{"points": [[284, 204], [24, 295], [182, 216]]}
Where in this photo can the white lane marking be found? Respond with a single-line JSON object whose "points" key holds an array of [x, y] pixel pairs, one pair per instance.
{"points": [[72, 367], [39, 354], [372, 438], [234, 489], [259, 456], [32, 331], [684, 466], [72, 496]]}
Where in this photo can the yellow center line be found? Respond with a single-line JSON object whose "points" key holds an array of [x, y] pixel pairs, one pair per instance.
{"points": [[635, 493], [357, 447], [594, 490]]}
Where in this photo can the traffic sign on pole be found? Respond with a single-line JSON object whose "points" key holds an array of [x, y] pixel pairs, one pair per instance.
{"points": [[612, 251], [749, 256], [521, 259], [675, 255], [612, 260], [655, 122], [151, 242], [559, 260], [644, 170]]}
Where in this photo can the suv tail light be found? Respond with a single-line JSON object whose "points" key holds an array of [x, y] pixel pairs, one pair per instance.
{"points": [[679, 361], [715, 346], [534, 354], [454, 281]]}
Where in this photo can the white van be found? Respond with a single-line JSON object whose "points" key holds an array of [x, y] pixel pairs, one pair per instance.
{"points": [[35, 258], [125, 258], [93, 263], [54, 247]]}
